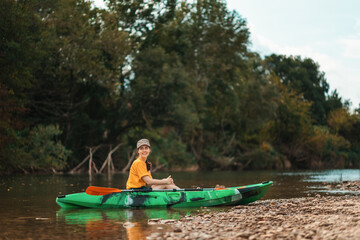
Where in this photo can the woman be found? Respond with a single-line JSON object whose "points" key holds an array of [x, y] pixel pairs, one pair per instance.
{"points": [[140, 175]]}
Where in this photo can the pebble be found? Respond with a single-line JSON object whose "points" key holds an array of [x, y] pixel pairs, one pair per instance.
{"points": [[345, 185], [168, 221], [319, 217], [128, 224]]}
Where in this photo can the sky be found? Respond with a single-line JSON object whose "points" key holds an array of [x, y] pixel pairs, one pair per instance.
{"points": [[327, 31]]}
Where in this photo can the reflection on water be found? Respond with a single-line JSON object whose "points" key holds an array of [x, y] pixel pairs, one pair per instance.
{"points": [[102, 224], [28, 208], [132, 223], [83, 216]]}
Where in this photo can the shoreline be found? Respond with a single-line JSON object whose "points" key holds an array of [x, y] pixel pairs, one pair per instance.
{"points": [[296, 218], [319, 217]]}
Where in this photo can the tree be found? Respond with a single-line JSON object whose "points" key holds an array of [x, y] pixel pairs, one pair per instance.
{"points": [[81, 76], [342, 123], [291, 125], [304, 76], [178, 72], [217, 95], [213, 47], [334, 101], [19, 30]]}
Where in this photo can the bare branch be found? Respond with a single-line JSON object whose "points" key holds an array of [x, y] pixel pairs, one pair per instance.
{"points": [[109, 159], [130, 161], [148, 124], [85, 160], [158, 167]]}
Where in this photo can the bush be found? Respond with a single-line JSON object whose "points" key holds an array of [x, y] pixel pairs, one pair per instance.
{"points": [[259, 159], [37, 149]]}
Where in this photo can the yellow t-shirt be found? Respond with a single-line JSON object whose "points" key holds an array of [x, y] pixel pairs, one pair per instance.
{"points": [[137, 171]]}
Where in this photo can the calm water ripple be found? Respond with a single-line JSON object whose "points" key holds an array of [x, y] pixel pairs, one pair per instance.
{"points": [[28, 208]]}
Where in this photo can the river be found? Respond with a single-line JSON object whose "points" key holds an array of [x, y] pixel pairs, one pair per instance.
{"points": [[29, 210]]}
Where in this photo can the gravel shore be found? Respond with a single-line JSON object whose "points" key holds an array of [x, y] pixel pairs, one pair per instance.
{"points": [[319, 217]]}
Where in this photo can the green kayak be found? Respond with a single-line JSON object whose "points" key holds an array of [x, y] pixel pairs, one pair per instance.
{"points": [[183, 198]]}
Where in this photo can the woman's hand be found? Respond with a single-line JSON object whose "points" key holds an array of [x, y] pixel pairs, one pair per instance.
{"points": [[168, 180]]}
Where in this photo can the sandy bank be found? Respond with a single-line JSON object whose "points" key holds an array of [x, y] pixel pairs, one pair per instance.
{"points": [[330, 217]]}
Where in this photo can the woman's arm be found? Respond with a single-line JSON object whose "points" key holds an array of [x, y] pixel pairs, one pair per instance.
{"points": [[149, 181]]}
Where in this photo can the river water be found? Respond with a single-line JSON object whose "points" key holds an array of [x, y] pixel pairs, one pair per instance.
{"points": [[29, 210]]}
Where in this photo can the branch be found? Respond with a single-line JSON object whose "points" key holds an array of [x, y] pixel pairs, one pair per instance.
{"points": [[108, 159], [146, 121], [130, 161], [158, 167], [84, 161]]}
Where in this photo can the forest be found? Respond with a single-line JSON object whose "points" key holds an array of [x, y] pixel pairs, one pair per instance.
{"points": [[75, 79]]}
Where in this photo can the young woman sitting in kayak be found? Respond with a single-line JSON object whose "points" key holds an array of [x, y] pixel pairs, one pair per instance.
{"points": [[140, 175]]}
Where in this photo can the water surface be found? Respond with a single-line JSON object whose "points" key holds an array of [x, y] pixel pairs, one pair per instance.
{"points": [[28, 208]]}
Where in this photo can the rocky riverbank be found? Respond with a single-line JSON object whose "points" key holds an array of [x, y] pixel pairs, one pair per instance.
{"points": [[344, 186], [329, 217]]}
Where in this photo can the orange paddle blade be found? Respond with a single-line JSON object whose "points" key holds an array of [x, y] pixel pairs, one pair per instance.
{"points": [[92, 190]]}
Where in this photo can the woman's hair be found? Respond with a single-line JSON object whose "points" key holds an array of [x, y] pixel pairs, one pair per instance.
{"points": [[148, 165]]}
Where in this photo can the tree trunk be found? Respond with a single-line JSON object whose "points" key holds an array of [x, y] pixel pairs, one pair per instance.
{"points": [[90, 161], [197, 146]]}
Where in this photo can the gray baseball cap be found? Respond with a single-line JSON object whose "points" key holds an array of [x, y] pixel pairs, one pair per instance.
{"points": [[142, 142]]}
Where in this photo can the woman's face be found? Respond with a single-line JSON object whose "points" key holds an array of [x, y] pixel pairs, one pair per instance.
{"points": [[144, 151]]}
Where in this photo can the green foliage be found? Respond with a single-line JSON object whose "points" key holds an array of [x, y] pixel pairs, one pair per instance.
{"points": [[258, 159], [168, 149], [9, 116], [304, 76], [177, 72], [347, 126], [37, 149], [327, 150], [19, 31]]}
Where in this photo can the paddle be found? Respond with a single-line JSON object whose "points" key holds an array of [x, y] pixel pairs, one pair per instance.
{"points": [[93, 190]]}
